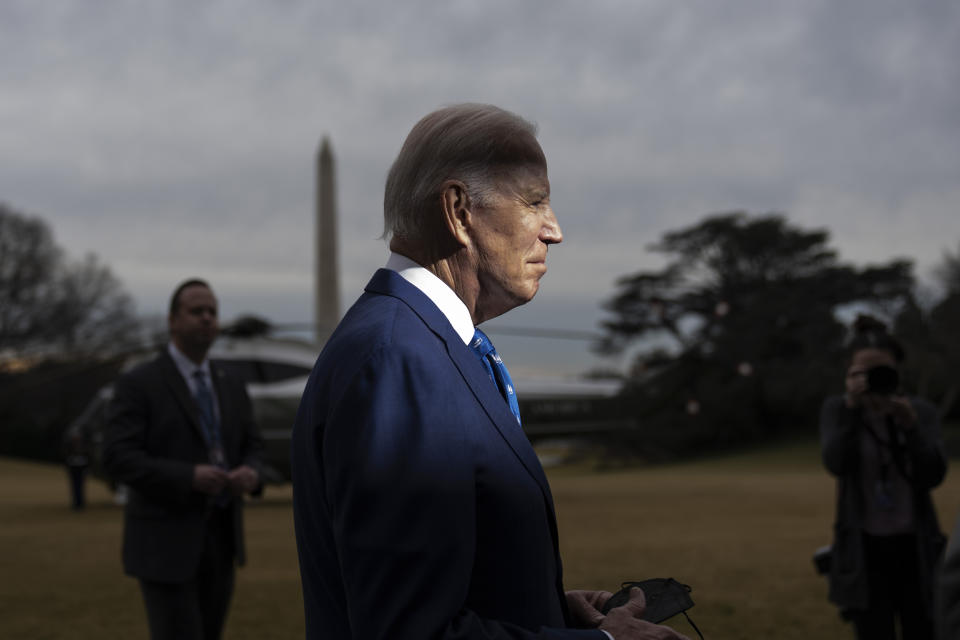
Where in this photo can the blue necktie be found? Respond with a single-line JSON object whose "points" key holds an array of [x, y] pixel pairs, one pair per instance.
{"points": [[487, 355], [208, 418]]}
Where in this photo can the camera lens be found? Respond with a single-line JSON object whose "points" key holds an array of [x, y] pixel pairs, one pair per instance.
{"points": [[883, 380]]}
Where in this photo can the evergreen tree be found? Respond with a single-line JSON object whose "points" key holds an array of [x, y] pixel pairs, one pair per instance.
{"points": [[741, 327]]}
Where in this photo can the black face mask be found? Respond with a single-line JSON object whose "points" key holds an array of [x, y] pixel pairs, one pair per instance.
{"points": [[665, 598]]}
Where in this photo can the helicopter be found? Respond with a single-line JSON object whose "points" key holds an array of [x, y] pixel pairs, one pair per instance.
{"points": [[275, 370]]}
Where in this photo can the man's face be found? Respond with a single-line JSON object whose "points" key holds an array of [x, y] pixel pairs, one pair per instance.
{"points": [[194, 325], [511, 237]]}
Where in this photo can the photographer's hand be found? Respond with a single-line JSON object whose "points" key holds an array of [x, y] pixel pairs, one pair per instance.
{"points": [[903, 413], [897, 408], [856, 384]]}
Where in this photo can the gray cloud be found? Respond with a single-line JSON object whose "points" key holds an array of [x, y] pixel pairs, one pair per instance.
{"points": [[178, 138]]}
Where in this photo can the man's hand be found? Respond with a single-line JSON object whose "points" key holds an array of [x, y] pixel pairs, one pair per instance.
{"points": [[585, 607], [624, 623], [243, 479], [209, 479]]}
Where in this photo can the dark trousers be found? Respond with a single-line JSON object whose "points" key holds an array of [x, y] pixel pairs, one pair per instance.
{"points": [[78, 475], [895, 591], [197, 609]]}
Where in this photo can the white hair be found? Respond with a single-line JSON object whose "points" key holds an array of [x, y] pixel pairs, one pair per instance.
{"points": [[465, 142]]}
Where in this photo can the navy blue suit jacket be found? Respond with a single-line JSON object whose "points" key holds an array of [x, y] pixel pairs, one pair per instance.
{"points": [[421, 509]]}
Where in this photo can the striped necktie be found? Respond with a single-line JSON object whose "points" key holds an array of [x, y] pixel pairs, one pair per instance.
{"points": [[208, 417], [483, 348]]}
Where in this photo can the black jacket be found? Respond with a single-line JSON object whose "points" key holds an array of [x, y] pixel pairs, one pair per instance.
{"points": [[840, 429], [154, 438]]}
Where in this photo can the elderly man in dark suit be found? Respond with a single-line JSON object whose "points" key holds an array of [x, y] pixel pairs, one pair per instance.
{"points": [[421, 509], [181, 436]]}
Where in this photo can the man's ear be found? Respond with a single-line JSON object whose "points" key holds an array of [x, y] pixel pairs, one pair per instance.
{"points": [[457, 211]]}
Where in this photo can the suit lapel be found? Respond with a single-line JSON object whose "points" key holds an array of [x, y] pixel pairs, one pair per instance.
{"points": [[387, 282], [497, 408]]}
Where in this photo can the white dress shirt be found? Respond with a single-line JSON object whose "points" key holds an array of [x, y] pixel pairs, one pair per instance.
{"points": [[440, 294]]}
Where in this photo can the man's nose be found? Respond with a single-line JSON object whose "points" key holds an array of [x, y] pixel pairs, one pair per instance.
{"points": [[551, 233]]}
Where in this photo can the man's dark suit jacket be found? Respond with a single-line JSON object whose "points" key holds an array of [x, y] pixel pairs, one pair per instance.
{"points": [[421, 509], [154, 439]]}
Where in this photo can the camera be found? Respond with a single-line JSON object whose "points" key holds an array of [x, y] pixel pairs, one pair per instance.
{"points": [[883, 380]]}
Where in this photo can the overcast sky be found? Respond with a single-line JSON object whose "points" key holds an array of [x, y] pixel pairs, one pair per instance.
{"points": [[177, 138]]}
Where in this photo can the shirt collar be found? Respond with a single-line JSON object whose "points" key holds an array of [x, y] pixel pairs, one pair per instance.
{"points": [[185, 365], [440, 294]]}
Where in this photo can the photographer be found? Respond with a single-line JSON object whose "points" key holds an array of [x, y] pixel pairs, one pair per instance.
{"points": [[886, 452]]}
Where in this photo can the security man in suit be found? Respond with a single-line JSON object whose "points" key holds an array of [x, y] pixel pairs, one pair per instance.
{"points": [[421, 510], [181, 436]]}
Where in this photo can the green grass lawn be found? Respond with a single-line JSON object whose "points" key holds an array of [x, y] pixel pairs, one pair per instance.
{"points": [[740, 529]]}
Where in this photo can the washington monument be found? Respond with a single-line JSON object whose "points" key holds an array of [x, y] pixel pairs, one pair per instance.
{"points": [[327, 292]]}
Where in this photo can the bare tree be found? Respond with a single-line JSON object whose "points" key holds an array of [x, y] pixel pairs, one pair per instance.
{"points": [[50, 305]]}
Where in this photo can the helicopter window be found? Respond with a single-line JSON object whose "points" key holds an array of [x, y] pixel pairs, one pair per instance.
{"points": [[246, 370]]}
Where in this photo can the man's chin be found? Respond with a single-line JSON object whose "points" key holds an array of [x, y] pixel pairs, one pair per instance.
{"points": [[527, 295], [534, 287], [204, 342]]}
